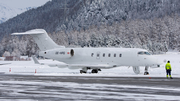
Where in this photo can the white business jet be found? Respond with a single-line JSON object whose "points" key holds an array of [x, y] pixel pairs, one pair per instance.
{"points": [[91, 58]]}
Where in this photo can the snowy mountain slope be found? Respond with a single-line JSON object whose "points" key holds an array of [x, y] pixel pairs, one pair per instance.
{"points": [[10, 9], [7, 12], [149, 24]]}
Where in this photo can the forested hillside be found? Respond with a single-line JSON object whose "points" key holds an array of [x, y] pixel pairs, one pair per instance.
{"points": [[150, 24]]}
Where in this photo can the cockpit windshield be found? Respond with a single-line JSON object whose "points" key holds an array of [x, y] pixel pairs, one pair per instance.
{"points": [[143, 53]]}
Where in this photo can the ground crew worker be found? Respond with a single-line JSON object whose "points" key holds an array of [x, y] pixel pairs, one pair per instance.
{"points": [[168, 69]]}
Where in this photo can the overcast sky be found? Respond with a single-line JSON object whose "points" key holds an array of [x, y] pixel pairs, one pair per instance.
{"points": [[23, 3]]}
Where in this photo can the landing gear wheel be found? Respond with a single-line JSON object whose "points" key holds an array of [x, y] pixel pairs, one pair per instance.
{"points": [[146, 73], [146, 70], [81, 71], [94, 71]]}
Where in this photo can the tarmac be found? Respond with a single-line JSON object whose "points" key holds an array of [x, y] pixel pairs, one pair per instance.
{"points": [[61, 88]]}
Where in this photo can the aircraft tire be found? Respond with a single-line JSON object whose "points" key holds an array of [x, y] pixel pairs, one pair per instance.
{"points": [[81, 71], [146, 73], [94, 71]]}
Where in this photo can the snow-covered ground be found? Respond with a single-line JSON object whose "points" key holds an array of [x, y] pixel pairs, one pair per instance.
{"points": [[43, 91], [28, 67], [45, 87]]}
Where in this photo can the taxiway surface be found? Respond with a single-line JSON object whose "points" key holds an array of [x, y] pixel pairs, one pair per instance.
{"points": [[45, 88]]}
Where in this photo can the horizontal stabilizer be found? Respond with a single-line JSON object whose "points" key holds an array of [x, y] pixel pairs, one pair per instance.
{"points": [[34, 32]]}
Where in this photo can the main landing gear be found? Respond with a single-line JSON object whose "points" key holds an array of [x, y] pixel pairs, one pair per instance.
{"points": [[81, 71], [95, 70], [84, 70]]}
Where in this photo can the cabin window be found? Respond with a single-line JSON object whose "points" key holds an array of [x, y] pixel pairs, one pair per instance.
{"points": [[97, 55], [114, 55], [103, 54], [143, 53], [120, 55], [147, 53], [109, 55], [92, 54], [140, 53]]}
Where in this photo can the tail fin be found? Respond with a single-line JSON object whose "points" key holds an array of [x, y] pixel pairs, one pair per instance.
{"points": [[42, 39]]}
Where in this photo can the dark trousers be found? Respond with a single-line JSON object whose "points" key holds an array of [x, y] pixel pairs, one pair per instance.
{"points": [[168, 72]]}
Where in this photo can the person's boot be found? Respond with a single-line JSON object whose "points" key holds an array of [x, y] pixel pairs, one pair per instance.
{"points": [[170, 77]]}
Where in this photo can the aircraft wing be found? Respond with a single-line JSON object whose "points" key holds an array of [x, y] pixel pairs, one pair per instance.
{"points": [[79, 66], [92, 66], [75, 66]]}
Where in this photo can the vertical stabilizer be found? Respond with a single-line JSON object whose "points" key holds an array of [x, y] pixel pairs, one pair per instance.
{"points": [[42, 39]]}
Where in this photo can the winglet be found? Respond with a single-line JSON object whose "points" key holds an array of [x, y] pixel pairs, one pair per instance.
{"points": [[35, 60]]}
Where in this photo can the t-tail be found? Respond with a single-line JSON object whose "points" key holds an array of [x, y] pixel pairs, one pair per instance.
{"points": [[42, 39]]}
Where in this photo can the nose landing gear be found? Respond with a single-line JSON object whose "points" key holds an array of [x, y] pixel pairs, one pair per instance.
{"points": [[146, 70]]}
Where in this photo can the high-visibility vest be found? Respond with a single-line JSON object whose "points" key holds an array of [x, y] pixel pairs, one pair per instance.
{"points": [[168, 66]]}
